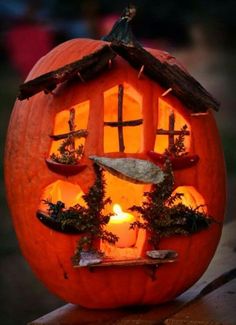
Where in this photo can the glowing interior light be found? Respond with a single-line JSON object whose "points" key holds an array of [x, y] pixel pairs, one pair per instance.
{"points": [[119, 225], [117, 209], [66, 192], [120, 216], [132, 110]]}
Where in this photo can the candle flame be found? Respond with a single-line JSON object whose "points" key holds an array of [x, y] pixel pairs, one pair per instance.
{"points": [[119, 224], [120, 216], [117, 209]]}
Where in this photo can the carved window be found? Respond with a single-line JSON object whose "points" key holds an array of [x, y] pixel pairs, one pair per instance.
{"points": [[170, 123], [123, 119], [69, 121]]}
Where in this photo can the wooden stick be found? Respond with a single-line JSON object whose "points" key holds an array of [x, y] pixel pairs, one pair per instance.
{"points": [[166, 92], [198, 114], [81, 78], [71, 123], [140, 71], [78, 134], [173, 132], [171, 129], [124, 123], [120, 117]]}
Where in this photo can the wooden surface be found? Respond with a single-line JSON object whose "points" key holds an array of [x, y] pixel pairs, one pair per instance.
{"points": [[216, 307]]}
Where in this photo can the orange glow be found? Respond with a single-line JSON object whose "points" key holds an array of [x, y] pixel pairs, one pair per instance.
{"points": [[132, 103], [119, 225], [121, 216], [191, 197], [124, 192], [66, 192], [61, 124], [127, 194], [164, 110]]}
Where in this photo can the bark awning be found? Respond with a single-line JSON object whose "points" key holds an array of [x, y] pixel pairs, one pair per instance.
{"points": [[121, 42], [85, 69]]}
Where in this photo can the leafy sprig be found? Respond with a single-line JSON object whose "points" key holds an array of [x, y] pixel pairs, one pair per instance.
{"points": [[178, 149], [68, 154], [163, 217], [88, 219]]}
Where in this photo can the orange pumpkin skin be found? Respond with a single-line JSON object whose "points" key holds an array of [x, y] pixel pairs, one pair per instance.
{"points": [[49, 252]]}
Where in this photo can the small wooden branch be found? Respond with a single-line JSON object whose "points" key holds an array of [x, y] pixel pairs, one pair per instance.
{"points": [[81, 78], [120, 118], [88, 67], [199, 114], [174, 132], [140, 72], [124, 123], [77, 134], [171, 129], [166, 92], [71, 123], [184, 86], [124, 263]]}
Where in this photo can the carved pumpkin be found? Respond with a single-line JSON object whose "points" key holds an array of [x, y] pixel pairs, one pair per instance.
{"points": [[95, 102]]}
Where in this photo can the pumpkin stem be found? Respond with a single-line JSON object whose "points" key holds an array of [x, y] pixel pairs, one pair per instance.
{"points": [[121, 31]]}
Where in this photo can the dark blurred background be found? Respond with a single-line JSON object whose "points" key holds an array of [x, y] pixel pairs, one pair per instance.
{"points": [[201, 34]]}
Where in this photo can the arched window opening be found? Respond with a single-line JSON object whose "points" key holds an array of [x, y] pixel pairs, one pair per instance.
{"points": [[70, 124], [66, 192], [122, 119], [171, 124]]}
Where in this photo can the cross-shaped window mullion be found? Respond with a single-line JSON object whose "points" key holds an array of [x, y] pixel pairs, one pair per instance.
{"points": [[120, 118], [171, 132], [80, 133], [120, 124]]}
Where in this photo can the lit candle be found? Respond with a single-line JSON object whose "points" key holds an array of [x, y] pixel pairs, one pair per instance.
{"points": [[119, 225]]}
